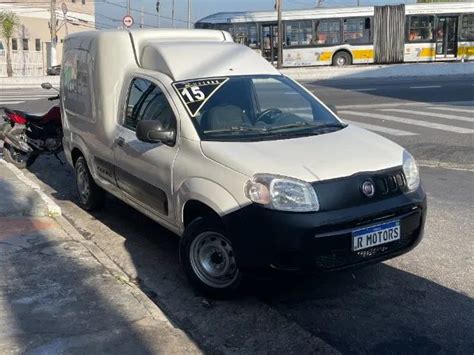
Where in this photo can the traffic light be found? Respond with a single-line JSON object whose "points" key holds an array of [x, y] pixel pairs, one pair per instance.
{"points": [[158, 6]]}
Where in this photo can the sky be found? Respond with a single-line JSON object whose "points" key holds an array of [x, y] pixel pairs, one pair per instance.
{"points": [[109, 13]]}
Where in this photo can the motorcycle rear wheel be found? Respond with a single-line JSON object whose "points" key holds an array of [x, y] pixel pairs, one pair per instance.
{"points": [[18, 158]]}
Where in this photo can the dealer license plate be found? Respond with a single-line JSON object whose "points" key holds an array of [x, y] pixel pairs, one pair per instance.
{"points": [[375, 235]]}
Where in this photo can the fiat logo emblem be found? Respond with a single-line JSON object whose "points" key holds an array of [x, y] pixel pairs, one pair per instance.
{"points": [[368, 189]]}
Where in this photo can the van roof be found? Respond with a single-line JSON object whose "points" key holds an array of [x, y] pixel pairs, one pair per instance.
{"points": [[179, 53], [189, 54]]}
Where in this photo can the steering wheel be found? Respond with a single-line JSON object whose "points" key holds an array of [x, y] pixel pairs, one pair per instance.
{"points": [[268, 112]]}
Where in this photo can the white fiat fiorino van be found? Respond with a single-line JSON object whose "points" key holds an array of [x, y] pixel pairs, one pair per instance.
{"points": [[246, 165]]}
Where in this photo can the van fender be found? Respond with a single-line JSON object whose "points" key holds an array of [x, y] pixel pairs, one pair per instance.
{"points": [[207, 192]]}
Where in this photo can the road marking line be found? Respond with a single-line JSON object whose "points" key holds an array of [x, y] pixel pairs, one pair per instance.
{"points": [[391, 131], [445, 165], [432, 125], [398, 104], [431, 114], [471, 110], [425, 87], [10, 102]]}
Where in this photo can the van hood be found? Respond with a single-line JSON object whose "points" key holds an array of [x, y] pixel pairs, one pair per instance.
{"points": [[314, 158]]}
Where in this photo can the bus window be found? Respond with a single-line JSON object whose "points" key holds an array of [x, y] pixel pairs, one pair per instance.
{"points": [[328, 32], [357, 30], [299, 33], [467, 27], [246, 33], [420, 28]]}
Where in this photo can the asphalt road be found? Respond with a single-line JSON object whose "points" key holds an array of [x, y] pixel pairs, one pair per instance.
{"points": [[421, 302]]}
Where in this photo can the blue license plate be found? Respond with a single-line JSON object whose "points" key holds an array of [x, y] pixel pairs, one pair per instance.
{"points": [[375, 235]]}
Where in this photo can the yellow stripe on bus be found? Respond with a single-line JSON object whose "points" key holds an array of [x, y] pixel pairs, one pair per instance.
{"points": [[427, 52], [363, 54], [466, 51], [325, 56]]}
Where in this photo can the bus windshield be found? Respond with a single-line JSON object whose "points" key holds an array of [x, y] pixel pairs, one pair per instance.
{"points": [[254, 107]]}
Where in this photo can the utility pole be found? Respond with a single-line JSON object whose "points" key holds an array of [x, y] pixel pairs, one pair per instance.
{"points": [[158, 11], [53, 31], [280, 35], [172, 15], [142, 18], [189, 13], [128, 7]]}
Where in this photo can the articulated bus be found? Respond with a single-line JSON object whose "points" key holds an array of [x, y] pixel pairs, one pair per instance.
{"points": [[360, 35]]}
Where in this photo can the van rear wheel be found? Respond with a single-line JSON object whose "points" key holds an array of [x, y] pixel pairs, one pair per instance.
{"points": [[208, 259], [91, 196]]}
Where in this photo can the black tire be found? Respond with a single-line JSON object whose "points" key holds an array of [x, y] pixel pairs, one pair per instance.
{"points": [[91, 196], [341, 58], [18, 158], [193, 243]]}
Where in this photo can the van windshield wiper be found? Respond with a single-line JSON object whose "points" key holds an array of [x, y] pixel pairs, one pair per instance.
{"points": [[235, 129], [304, 125]]}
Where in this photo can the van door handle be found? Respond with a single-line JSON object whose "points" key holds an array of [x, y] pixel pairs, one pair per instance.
{"points": [[120, 141]]}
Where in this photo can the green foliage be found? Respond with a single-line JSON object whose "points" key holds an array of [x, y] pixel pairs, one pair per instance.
{"points": [[8, 24]]}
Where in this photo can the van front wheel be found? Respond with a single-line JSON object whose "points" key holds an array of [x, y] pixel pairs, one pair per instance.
{"points": [[208, 259], [91, 196]]}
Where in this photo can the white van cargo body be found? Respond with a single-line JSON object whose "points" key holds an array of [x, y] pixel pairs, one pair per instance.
{"points": [[251, 170]]}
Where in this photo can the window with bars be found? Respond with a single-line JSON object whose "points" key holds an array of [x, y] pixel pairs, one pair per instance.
{"points": [[14, 44]]}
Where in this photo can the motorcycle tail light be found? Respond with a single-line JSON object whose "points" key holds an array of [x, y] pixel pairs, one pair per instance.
{"points": [[16, 118]]}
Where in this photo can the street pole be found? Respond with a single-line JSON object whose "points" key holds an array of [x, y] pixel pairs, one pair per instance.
{"points": [[142, 18], [158, 11], [53, 31], [172, 15], [128, 7], [280, 36], [189, 13]]}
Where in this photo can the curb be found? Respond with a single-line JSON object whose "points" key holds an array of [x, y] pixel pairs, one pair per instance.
{"points": [[53, 209]]}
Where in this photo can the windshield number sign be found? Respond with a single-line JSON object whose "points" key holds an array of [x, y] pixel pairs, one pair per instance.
{"points": [[195, 93]]}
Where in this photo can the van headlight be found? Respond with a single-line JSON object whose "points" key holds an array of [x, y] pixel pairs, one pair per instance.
{"points": [[282, 193], [410, 169]]}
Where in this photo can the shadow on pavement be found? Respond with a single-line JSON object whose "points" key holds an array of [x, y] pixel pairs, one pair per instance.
{"points": [[377, 309], [54, 295]]}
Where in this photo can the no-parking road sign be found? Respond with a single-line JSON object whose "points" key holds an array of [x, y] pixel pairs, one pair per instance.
{"points": [[127, 21]]}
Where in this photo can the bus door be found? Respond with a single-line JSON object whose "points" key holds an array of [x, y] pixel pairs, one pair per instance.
{"points": [[270, 42], [446, 37]]}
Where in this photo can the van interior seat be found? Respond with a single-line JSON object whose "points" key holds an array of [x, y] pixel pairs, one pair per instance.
{"points": [[224, 117]]}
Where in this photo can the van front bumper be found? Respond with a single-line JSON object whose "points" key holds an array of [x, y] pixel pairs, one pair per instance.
{"points": [[266, 239]]}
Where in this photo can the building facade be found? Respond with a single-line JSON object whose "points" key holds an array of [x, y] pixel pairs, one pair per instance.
{"points": [[31, 44]]}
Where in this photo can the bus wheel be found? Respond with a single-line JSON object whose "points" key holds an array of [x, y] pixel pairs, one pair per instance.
{"points": [[341, 58]]}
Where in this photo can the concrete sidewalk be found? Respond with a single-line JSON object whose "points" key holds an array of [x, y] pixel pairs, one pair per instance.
{"points": [[60, 294], [28, 81]]}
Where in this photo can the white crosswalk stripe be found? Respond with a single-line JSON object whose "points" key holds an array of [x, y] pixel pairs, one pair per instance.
{"points": [[414, 122], [375, 128], [453, 109], [431, 114], [12, 97]]}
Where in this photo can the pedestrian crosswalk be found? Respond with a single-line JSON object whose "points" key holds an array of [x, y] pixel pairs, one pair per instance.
{"points": [[17, 96], [408, 118]]}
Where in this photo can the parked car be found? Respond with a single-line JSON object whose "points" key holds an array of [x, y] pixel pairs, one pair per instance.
{"points": [[54, 70], [249, 168]]}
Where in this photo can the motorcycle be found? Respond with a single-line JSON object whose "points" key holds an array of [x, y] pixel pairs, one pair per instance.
{"points": [[27, 136]]}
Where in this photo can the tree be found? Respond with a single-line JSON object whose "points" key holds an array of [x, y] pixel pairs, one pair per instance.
{"points": [[9, 22]]}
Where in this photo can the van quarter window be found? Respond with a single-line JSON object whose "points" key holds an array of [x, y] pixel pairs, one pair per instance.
{"points": [[147, 102]]}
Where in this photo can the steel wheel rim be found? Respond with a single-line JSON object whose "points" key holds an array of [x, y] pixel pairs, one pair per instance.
{"points": [[83, 185], [213, 260], [341, 61], [18, 156]]}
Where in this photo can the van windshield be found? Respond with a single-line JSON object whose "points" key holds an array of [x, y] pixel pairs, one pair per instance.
{"points": [[254, 108]]}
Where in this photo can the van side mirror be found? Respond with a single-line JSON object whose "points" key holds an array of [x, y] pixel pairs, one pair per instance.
{"points": [[332, 108], [47, 86], [152, 132]]}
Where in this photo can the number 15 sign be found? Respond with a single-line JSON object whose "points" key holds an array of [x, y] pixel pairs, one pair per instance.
{"points": [[195, 93]]}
